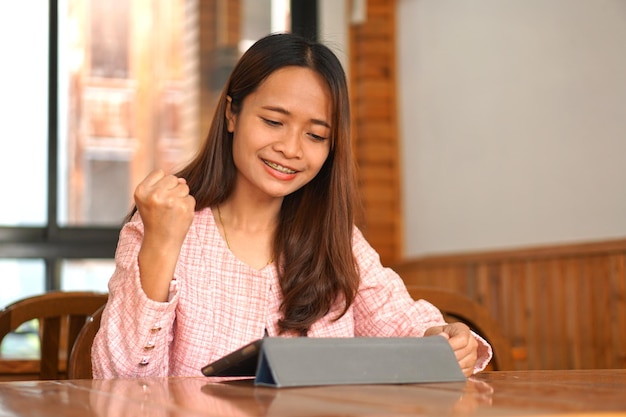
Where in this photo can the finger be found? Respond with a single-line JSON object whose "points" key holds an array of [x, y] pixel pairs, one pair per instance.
{"points": [[180, 190], [154, 177], [464, 346], [463, 353], [169, 182], [456, 328], [460, 335], [460, 341], [467, 366], [433, 331]]}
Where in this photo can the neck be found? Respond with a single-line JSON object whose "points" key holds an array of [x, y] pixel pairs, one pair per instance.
{"points": [[252, 242], [250, 216]]}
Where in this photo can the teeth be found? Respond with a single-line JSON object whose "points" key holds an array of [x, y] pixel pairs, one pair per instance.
{"points": [[279, 168]]}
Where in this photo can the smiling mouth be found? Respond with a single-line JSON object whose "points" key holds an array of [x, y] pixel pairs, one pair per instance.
{"points": [[279, 168]]}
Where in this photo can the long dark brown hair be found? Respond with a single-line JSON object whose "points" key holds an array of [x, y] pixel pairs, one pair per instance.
{"points": [[313, 239]]}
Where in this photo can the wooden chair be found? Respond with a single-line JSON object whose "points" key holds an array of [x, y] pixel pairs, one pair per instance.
{"points": [[79, 365], [59, 313], [458, 307]]}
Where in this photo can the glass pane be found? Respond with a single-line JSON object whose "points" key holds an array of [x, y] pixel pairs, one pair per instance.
{"points": [[24, 104], [137, 84], [21, 278], [127, 99], [86, 274], [23, 343]]}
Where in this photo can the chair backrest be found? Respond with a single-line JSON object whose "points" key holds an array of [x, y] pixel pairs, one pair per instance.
{"points": [[59, 313], [79, 365], [458, 307]]}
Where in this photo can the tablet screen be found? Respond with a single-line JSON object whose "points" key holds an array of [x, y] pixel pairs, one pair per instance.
{"points": [[242, 362]]}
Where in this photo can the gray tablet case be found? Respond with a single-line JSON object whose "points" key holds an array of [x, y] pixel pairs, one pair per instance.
{"points": [[304, 361]]}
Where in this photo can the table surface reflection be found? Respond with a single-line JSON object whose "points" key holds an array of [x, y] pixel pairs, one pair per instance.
{"points": [[516, 393]]}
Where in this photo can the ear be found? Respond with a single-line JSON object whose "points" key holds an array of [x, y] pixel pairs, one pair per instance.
{"points": [[230, 116]]}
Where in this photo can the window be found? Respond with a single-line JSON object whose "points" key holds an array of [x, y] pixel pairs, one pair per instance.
{"points": [[24, 107], [100, 94]]}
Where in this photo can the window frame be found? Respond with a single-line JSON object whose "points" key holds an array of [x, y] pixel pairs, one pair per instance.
{"points": [[52, 243]]}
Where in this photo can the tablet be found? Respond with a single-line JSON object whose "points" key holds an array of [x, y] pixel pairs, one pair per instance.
{"points": [[241, 362], [301, 361]]}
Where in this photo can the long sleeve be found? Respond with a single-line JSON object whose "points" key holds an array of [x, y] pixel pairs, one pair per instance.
{"points": [[384, 307], [216, 304], [136, 332]]}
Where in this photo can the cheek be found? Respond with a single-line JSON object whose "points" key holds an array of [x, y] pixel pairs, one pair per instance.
{"points": [[320, 158], [237, 149]]}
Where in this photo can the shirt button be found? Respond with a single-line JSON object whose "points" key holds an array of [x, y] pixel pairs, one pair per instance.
{"points": [[155, 329], [149, 346], [144, 361]]}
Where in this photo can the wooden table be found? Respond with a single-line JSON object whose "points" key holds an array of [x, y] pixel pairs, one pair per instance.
{"points": [[519, 393]]}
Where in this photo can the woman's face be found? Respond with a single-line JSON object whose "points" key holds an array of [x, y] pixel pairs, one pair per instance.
{"points": [[281, 135]]}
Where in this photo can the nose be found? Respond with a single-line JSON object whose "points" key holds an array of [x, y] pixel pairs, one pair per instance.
{"points": [[290, 144]]}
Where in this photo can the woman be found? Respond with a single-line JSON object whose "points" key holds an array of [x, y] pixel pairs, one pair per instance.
{"points": [[256, 235]]}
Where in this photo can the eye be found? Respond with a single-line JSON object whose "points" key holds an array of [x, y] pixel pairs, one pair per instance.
{"points": [[271, 122], [317, 138]]}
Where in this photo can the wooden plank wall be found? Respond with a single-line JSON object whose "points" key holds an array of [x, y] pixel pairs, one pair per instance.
{"points": [[372, 79], [562, 307]]}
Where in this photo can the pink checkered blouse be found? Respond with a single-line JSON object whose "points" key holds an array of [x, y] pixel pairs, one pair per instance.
{"points": [[218, 303]]}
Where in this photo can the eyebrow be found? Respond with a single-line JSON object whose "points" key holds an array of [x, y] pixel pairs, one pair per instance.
{"points": [[287, 113]]}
